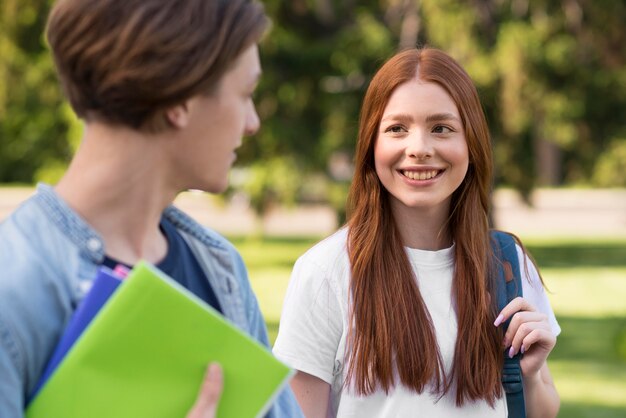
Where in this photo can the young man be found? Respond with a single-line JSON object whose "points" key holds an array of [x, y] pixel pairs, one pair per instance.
{"points": [[165, 91]]}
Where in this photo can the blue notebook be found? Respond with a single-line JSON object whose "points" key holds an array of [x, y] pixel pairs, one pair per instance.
{"points": [[103, 287]]}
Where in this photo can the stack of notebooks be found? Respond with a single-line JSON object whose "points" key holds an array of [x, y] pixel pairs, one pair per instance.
{"points": [[140, 348]]}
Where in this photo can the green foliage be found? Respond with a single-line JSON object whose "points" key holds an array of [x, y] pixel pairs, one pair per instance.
{"points": [[32, 132], [551, 75], [545, 58], [547, 71], [316, 63], [611, 166], [271, 181], [620, 342], [52, 170]]}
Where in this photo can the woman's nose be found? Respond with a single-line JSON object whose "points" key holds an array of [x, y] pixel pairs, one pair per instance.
{"points": [[419, 146]]}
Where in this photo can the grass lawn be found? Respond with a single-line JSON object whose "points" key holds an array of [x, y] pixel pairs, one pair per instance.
{"points": [[269, 263], [588, 294], [587, 281]]}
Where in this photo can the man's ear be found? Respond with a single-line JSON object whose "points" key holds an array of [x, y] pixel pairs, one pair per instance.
{"points": [[178, 116]]}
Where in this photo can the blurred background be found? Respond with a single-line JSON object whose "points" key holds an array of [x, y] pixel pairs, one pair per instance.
{"points": [[552, 79]]}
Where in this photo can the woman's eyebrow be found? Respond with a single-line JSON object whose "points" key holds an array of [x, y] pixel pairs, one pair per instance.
{"points": [[437, 117], [398, 117]]}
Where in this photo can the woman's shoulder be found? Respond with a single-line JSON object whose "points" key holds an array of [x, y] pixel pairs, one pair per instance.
{"points": [[533, 287], [327, 260], [330, 248]]}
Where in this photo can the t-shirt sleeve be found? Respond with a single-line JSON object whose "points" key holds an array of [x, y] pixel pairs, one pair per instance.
{"points": [[534, 291], [311, 323]]}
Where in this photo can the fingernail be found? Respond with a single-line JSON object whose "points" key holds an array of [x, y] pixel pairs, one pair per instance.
{"points": [[511, 352], [214, 370], [522, 349], [498, 320]]}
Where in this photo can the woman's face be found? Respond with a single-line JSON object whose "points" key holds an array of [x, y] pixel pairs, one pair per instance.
{"points": [[421, 154]]}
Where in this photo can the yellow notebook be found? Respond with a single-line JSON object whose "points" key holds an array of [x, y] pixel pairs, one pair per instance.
{"points": [[146, 352]]}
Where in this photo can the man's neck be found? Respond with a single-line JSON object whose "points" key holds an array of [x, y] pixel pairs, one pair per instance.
{"points": [[116, 183]]}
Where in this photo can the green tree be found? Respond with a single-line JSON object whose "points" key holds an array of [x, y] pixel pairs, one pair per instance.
{"points": [[317, 62], [551, 75], [33, 123], [548, 71]]}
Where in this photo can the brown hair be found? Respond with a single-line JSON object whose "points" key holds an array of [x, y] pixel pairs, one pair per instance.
{"points": [[126, 61], [392, 327]]}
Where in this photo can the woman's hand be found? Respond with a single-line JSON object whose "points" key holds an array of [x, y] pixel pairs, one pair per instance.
{"points": [[529, 332], [209, 395]]}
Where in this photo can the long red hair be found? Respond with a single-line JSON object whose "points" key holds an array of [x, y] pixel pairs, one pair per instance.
{"points": [[392, 329]]}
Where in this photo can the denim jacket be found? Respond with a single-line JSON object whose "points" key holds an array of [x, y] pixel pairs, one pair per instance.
{"points": [[48, 258]]}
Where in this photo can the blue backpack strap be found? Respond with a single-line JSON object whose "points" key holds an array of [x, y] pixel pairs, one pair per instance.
{"points": [[509, 287]]}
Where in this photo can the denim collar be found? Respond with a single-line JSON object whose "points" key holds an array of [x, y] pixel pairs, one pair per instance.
{"points": [[90, 242]]}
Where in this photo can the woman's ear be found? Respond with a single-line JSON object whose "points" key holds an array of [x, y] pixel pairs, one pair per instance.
{"points": [[178, 116]]}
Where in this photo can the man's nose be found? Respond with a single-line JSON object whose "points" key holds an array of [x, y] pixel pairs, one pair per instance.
{"points": [[253, 123]]}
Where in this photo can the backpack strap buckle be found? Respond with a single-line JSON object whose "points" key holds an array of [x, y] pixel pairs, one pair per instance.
{"points": [[513, 386]]}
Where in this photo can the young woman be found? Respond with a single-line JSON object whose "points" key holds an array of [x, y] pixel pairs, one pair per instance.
{"points": [[165, 91], [393, 316]]}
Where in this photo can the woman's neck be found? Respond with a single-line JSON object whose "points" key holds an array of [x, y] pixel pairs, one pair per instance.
{"points": [[422, 228]]}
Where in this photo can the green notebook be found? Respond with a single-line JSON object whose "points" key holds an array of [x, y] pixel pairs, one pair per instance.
{"points": [[145, 355]]}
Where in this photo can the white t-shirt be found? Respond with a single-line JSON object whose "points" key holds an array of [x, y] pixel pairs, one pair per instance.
{"points": [[314, 324]]}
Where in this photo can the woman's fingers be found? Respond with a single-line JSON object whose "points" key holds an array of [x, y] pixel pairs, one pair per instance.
{"points": [[537, 346], [526, 335], [527, 329], [521, 324], [517, 304], [540, 336]]}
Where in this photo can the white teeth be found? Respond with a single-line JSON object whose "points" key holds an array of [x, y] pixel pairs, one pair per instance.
{"points": [[420, 175]]}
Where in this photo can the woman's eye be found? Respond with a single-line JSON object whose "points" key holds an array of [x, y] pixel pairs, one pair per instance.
{"points": [[395, 129], [441, 129]]}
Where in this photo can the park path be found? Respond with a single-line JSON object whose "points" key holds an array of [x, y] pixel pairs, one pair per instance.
{"points": [[555, 212]]}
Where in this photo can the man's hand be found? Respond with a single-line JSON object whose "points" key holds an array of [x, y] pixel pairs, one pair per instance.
{"points": [[209, 395]]}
